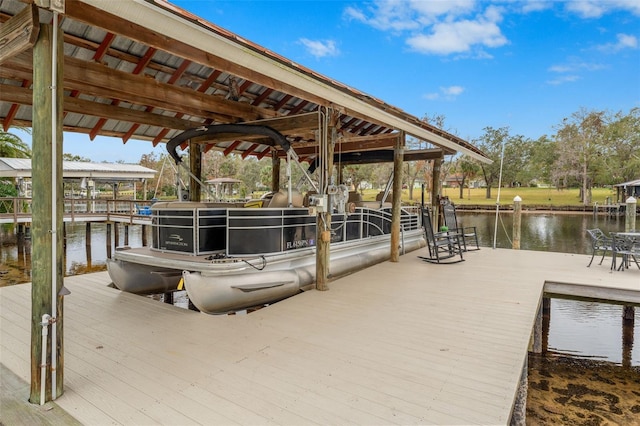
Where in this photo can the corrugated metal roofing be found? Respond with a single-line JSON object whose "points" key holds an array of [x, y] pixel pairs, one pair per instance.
{"points": [[153, 85], [635, 182], [21, 167]]}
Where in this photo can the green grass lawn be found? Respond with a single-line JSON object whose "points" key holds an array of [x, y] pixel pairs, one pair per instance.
{"points": [[530, 196]]}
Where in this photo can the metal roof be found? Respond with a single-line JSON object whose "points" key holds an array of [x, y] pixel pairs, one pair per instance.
{"points": [[21, 167], [635, 182], [146, 69]]}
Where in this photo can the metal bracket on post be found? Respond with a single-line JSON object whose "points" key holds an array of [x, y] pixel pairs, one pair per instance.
{"points": [[52, 5]]}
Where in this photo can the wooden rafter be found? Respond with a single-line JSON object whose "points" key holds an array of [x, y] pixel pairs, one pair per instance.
{"points": [[139, 68], [172, 80], [24, 96]]}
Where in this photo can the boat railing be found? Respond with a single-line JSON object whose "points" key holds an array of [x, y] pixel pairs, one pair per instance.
{"points": [[197, 229], [20, 209]]}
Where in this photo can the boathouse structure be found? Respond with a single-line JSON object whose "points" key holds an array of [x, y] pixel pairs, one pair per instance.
{"points": [[83, 175], [148, 70]]}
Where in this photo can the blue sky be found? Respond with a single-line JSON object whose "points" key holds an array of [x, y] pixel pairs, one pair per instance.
{"points": [[522, 64]]}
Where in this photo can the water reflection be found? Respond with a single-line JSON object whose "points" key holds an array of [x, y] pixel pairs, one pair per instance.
{"points": [[80, 256], [593, 330], [558, 232]]}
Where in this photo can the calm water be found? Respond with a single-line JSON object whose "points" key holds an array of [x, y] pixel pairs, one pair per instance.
{"points": [[564, 233]]}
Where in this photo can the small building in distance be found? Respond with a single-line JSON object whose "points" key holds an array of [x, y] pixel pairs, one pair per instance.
{"points": [[83, 177], [625, 190]]}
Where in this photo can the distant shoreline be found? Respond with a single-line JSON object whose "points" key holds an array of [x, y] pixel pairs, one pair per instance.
{"points": [[542, 209]]}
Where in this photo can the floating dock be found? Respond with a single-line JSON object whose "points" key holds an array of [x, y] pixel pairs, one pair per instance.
{"points": [[397, 343]]}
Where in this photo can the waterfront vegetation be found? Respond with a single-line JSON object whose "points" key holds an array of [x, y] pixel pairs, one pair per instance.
{"points": [[551, 197]]}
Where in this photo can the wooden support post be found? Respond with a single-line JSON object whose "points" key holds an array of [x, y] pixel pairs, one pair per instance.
{"points": [[47, 272], [517, 221], [546, 321], [628, 323], [537, 332], [630, 214], [64, 239], [144, 235], [116, 234], [323, 219], [108, 240], [195, 165], [87, 243], [275, 171], [20, 231], [435, 193], [398, 154]]}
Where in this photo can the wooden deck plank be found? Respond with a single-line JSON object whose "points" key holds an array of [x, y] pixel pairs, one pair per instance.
{"points": [[397, 343]]}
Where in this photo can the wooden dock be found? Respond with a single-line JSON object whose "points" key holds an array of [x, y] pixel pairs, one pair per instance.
{"points": [[397, 343]]}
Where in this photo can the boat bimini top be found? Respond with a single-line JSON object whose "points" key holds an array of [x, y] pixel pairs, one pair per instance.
{"points": [[242, 129]]}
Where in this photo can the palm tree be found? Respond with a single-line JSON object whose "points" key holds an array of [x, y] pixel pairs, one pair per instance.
{"points": [[12, 146]]}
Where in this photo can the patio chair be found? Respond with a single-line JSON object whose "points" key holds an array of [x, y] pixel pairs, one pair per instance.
{"points": [[599, 242], [469, 233], [626, 246], [444, 247]]}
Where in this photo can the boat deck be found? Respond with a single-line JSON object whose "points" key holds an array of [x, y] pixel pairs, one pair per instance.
{"points": [[397, 343]]}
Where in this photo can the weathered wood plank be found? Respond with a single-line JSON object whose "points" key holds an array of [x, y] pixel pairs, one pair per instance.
{"points": [[17, 411], [19, 33]]}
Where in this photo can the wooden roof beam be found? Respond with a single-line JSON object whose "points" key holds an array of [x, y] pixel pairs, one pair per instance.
{"points": [[140, 66], [24, 96], [19, 33], [174, 77], [99, 80]]}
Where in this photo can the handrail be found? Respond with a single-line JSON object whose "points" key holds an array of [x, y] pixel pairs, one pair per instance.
{"points": [[12, 209]]}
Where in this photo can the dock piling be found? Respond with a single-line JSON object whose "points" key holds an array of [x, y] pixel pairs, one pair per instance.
{"points": [[630, 214], [517, 222]]}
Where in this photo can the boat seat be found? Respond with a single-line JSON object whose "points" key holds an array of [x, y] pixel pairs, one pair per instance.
{"points": [[354, 197], [281, 199], [381, 194]]}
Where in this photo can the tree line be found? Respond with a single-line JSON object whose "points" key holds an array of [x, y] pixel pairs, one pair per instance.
{"points": [[588, 149]]}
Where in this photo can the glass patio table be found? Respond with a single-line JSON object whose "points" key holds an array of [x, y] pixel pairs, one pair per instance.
{"points": [[627, 245]]}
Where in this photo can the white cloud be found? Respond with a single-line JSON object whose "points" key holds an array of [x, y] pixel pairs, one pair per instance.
{"points": [[574, 65], [452, 90], [385, 15], [446, 93], [586, 8], [320, 48], [461, 36], [624, 41], [536, 6], [597, 8], [563, 79], [571, 70], [437, 27], [429, 11]]}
